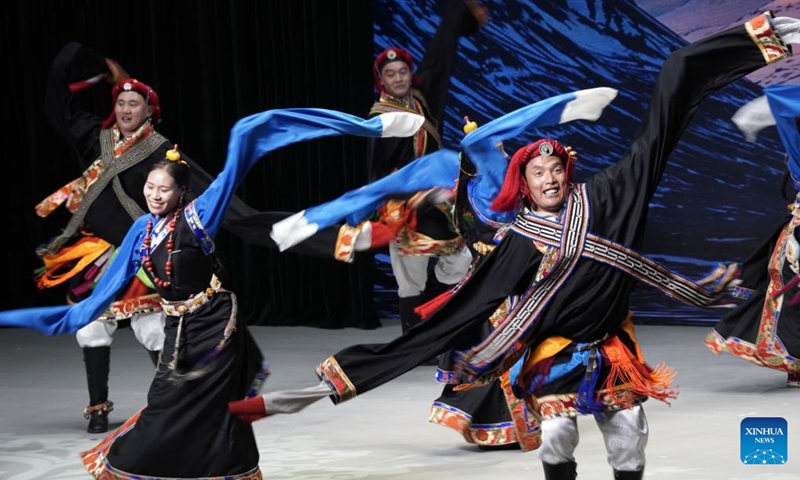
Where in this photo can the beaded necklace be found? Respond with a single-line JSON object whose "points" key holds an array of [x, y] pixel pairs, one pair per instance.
{"points": [[147, 262]]}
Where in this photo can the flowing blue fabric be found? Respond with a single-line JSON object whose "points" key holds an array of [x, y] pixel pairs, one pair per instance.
{"points": [[62, 319], [251, 138], [437, 169], [440, 169], [481, 146], [257, 135], [784, 102]]}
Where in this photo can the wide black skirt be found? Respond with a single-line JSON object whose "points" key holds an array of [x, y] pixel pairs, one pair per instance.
{"points": [[186, 430]]}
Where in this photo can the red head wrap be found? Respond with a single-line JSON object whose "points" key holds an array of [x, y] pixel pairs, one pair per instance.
{"points": [[132, 85], [392, 54], [515, 186]]}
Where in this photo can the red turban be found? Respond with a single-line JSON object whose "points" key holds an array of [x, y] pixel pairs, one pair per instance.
{"points": [[515, 186], [132, 85]]}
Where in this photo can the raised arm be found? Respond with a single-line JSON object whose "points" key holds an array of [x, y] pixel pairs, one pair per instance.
{"points": [[74, 68], [688, 76], [460, 18]]}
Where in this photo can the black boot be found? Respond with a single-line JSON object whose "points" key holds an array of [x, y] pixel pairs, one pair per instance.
{"points": [[153, 354], [637, 475], [97, 361], [434, 288], [409, 318], [560, 471]]}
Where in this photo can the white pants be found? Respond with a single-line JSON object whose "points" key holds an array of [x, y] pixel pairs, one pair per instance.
{"points": [[625, 434], [411, 271], [147, 327]]}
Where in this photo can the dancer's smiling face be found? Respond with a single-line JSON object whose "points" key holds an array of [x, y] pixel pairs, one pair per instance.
{"points": [[547, 180]]}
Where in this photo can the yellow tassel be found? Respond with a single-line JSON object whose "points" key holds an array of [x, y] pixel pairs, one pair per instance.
{"points": [[86, 251]]}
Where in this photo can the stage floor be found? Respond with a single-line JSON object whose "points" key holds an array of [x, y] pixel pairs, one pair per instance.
{"points": [[385, 434]]}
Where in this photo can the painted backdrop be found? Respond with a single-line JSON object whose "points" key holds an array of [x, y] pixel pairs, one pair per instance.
{"points": [[720, 194]]}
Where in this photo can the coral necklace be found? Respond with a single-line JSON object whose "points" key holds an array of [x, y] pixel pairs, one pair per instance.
{"points": [[147, 262]]}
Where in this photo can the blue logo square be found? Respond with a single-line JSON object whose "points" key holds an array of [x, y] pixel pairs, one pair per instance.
{"points": [[764, 441]]}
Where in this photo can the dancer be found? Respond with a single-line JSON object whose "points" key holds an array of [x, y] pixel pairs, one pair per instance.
{"points": [[764, 328], [420, 225], [567, 334], [116, 153], [209, 358], [488, 416]]}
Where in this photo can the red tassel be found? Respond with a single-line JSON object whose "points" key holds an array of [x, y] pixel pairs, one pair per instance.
{"points": [[76, 87], [426, 309]]}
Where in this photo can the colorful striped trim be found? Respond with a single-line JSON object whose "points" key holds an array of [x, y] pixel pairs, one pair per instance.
{"points": [[96, 462], [124, 309], [344, 251], [527, 424], [768, 42], [622, 258], [563, 405], [504, 345], [205, 240], [767, 351], [332, 374], [258, 380], [478, 434]]}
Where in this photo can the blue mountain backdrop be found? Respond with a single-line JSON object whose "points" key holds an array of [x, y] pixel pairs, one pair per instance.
{"points": [[720, 195]]}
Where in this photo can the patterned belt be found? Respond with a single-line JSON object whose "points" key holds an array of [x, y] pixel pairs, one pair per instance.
{"points": [[185, 307]]}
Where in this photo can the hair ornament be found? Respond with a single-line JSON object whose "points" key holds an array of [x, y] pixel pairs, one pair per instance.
{"points": [[175, 156], [468, 125]]}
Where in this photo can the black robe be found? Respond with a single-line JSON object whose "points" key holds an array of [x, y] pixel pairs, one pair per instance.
{"points": [[106, 217], [593, 301], [431, 88], [765, 328], [186, 430]]}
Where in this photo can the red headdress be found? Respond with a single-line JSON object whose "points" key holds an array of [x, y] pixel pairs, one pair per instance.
{"points": [[132, 85], [515, 186], [392, 54]]}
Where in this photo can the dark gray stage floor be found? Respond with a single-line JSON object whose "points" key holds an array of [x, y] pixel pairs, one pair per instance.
{"points": [[385, 433]]}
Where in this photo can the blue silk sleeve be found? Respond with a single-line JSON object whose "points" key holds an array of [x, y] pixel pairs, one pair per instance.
{"points": [[58, 320], [255, 136]]}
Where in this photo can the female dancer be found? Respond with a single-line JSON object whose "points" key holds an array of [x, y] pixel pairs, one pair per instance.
{"points": [[208, 358]]}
